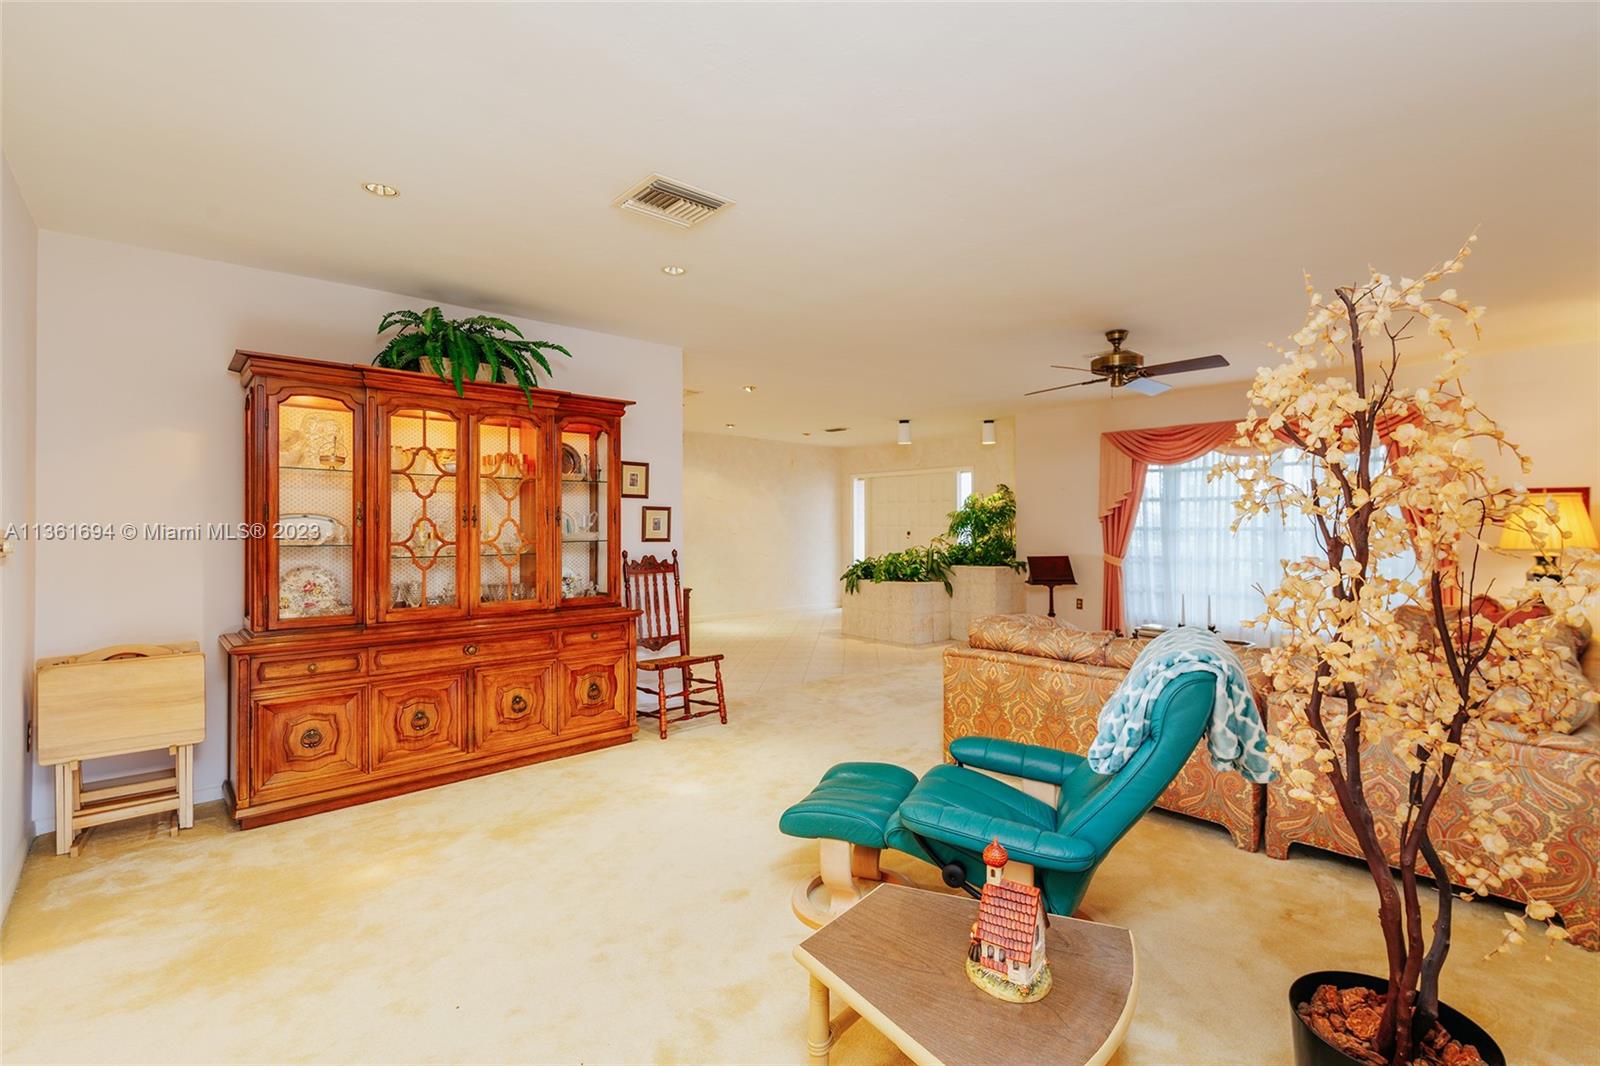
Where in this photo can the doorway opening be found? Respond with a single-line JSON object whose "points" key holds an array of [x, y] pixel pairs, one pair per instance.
{"points": [[904, 509]]}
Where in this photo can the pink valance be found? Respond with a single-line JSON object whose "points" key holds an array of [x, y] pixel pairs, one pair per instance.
{"points": [[1124, 457], [1126, 454], [1119, 452]]}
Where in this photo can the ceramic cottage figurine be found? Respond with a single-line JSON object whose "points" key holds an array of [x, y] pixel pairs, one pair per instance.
{"points": [[1006, 958]]}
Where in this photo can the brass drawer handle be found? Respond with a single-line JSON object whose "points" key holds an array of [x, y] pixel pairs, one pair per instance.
{"points": [[420, 721], [595, 635], [519, 703], [311, 668], [470, 649], [311, 739], [594, 692]]}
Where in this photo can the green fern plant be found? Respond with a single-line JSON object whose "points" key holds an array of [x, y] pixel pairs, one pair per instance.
{"points": [[912, 564], [454, 349], [984, 531]]}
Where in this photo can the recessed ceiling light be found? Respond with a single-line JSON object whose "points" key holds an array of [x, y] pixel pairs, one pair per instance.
{"points": [[674, 270], [727, 425], [749, 388], [378, 188]]}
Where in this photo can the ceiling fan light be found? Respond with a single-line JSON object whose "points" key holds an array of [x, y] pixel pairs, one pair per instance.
{"points": [[988, 431], [1148, 386], [905, 431]]}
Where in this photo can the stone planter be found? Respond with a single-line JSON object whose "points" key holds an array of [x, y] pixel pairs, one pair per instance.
{"points": [[983, 590], [898, 612]]}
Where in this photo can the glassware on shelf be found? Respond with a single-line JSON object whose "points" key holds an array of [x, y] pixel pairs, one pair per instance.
{"points": [[423, 534], [585, 511], [509, 512], [314, 512]]}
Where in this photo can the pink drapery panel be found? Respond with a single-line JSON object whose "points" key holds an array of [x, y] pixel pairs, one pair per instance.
{"points": [[1124, 457]]}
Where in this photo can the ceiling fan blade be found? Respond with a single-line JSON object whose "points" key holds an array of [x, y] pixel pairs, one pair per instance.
{"points": [[1069, 385], [1079, 369], [1146, 387], [1183, 366]]}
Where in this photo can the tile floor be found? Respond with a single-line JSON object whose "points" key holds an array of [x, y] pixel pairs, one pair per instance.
{"points": [[784, 648]]}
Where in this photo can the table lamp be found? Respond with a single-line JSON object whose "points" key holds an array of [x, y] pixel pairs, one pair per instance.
{"points": [[1551, 521]]}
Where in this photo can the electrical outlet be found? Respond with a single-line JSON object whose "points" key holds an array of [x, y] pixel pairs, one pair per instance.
{"points": [[1080, 603]]}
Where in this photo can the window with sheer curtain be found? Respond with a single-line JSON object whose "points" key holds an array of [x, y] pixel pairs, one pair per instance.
{"points": [[1185, 561]]}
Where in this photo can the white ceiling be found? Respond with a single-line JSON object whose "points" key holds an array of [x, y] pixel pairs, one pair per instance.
{"points": [[933, 201]]}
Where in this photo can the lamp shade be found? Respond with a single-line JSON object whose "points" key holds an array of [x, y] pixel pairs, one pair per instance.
{"points": [[905, 432], [988, 431], [1551, 520]]}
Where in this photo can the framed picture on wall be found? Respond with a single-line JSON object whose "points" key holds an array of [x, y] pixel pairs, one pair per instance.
{"points": [[657, 522], [635, 480]]}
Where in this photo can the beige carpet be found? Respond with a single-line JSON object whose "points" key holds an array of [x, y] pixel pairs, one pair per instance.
{"points": [[632, 905]]}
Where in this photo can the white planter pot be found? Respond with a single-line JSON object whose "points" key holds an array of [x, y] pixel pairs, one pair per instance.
{"points": [[983, 590], [898, 612]]}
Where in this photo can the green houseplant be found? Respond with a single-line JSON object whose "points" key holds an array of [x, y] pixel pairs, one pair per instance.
{"points": [[912, 564], [983, 532], [456, 348]]}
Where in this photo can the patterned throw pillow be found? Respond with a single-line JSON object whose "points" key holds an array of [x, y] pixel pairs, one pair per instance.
{"points": [[1027, 634], [1120, 652]]}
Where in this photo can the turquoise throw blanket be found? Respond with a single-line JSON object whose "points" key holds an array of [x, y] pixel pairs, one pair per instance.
{"points": [[1235, 736]]}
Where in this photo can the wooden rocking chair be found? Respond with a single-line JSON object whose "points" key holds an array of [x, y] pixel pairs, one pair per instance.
{"points": [[654, 587]]}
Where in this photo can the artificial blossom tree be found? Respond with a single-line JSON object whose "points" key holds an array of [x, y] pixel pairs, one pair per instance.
{"points": [[1398, 471]]}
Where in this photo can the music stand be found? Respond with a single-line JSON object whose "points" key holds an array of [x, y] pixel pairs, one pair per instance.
{"points": [[1050, 571]]}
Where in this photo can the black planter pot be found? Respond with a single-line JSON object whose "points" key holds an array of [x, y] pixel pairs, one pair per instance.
{"points": [[1311, 1050]]}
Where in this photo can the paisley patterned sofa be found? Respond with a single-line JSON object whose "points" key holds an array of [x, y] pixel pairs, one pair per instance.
{"points": [[1551, 791], [1025, 678]]}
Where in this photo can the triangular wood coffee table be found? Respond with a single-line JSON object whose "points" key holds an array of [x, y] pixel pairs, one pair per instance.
{"points": [[898, 959]]}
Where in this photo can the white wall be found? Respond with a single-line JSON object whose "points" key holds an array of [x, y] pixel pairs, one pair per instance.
{"points": [[991, 465], [1545, 399], [18, 280], [760, 524], [140, 421]]}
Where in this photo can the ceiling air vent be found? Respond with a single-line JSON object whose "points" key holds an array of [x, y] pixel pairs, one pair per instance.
{"points": [[671, 201], [836, 429]]}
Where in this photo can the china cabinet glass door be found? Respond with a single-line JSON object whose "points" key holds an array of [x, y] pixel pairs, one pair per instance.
{"points": [[314, 510], [585, 511], [425, 513], [509, 515]]}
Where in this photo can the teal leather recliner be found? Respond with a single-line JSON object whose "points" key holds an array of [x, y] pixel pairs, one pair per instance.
{"points": [[954, 811]]}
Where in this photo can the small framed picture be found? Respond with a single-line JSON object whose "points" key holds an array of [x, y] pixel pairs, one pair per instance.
{"points": [[657, 523], [635, 480]]}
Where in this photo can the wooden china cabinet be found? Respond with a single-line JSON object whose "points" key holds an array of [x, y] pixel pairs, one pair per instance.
{"points": [[434, 592]]}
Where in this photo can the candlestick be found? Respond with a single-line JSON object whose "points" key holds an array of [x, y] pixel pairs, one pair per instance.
{"points": [[1208, 610], [1183, 608]]}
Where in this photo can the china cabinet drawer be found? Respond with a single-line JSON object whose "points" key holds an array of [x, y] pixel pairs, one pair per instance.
{"points": [[460, 652], [418, 723], [304, 668], [306, 743], [513, 706], [595, 693], [587, 636]]}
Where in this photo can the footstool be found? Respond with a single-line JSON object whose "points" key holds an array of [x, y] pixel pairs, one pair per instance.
{"points": [[847, 813]]}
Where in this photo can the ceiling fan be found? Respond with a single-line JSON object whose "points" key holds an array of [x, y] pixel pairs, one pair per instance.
{"points": [[1126, 367]]}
